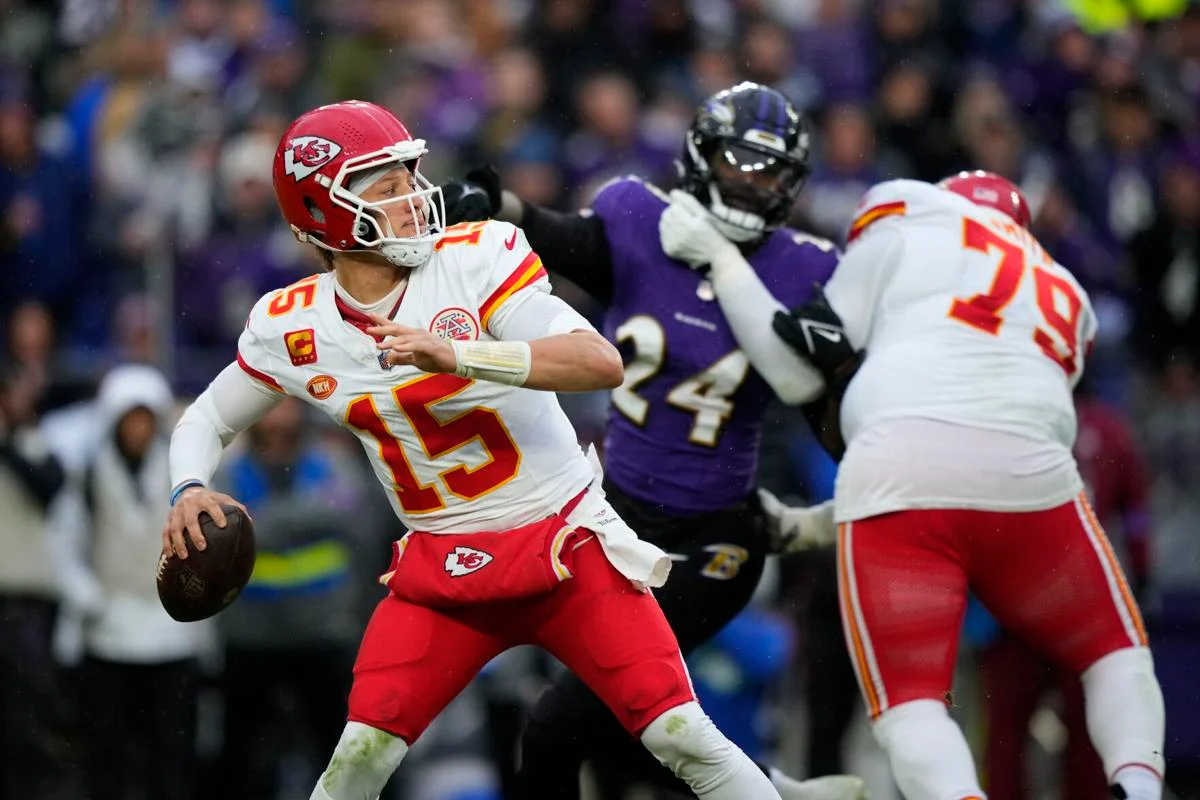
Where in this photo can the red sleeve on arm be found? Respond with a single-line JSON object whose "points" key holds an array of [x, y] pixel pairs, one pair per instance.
{"points": [[259, 375]]}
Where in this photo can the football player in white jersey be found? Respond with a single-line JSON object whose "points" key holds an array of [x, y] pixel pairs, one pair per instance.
{"points": [[426, 342], [958, 472]]}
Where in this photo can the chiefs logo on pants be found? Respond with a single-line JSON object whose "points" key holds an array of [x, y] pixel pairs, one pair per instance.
{"points": [[1049, 577], [414, 659], [465, 560]]}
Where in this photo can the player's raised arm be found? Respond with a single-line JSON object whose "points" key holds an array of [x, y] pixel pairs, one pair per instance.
{"points": [[573, 245], [551, 347], [688, 235], [529, 338], [832, 329], [875, 251], [579, 361]]}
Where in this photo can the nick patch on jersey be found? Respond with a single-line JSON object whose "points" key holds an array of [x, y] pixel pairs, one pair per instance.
{"points": [[301, 346], [322, 386], [454, 323]]}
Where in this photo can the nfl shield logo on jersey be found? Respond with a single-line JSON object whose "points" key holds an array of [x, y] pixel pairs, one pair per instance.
{"points": [[465, 560], [454, 323]]}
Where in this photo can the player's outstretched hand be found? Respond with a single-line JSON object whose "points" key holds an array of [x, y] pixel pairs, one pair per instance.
{"points": [[687, 234], [792, 530], [184, 517], [475, 197], [413, 347]]}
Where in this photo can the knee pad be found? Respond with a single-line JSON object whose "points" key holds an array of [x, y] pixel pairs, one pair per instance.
{"points": [[362, 763], [685, 741], [1132, 668], [927, 751], [906, 717]]}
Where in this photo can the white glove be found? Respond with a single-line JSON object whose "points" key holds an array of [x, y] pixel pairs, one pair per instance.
{"points": [[687, 233], [792, 530]]}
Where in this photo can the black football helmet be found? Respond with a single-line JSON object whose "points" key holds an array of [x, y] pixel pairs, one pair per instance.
{"points": [[745, 157]]}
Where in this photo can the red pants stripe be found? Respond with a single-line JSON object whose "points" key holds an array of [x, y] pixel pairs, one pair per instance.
{"points": [[1049, 577], [414, 660]]}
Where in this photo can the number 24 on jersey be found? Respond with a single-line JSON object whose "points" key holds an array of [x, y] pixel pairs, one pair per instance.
{"points": [[707, 395]]}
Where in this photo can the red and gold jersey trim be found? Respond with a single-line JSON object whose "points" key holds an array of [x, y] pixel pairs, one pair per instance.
{"points": [[526, 273], [864, 220], [259, 376]]}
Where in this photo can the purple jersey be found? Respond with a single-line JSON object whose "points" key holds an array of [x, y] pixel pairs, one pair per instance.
{"points": [[684, 428]]}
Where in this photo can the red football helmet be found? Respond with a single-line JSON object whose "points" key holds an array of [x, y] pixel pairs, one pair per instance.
{"points": [[989, 189], [330, 149]]}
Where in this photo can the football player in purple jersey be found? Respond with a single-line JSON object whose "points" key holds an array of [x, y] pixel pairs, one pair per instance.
{"points": [[682, 441]]}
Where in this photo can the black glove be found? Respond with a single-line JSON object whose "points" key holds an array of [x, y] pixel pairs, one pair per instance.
{"points": [[476, 197], [816, 333]]}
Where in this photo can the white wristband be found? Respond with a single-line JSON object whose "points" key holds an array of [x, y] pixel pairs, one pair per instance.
{"points": [[498, 362]]}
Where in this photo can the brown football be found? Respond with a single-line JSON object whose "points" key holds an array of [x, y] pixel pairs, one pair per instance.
{"points": [[208, 580]]}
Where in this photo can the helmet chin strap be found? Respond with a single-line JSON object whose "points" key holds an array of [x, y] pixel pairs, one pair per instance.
{"points": [[734, 224], [407, 254]]}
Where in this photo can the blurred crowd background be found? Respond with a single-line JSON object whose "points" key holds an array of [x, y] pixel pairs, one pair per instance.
{"points": [[138, 225]]}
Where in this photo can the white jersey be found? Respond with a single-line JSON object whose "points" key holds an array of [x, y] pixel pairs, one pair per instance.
{"points": [[975, 339], [454, 455]]}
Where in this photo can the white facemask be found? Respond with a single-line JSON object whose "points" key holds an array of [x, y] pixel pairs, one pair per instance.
{"points": [[734, 224], [375, 231]]}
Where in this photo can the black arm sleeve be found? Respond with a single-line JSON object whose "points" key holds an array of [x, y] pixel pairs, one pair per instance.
{"points": [[815, 332], [572, 245], [824, 419], [43, 478], [89, 489], [824, 414]]}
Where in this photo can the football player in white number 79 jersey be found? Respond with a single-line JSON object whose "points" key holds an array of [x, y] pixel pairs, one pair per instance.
{"points": [[426, 342], [958, 473]]}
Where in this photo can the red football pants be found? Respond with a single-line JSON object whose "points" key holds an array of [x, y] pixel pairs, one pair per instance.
{"points": [[414, 660], [1049, 577]]}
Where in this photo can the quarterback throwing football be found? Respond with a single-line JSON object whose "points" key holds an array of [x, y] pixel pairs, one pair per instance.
{"points": [[426, 342], [958, 471]]}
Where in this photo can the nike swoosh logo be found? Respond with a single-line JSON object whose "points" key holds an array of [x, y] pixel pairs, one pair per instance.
{"points": [[511, 241], [828, 335]]}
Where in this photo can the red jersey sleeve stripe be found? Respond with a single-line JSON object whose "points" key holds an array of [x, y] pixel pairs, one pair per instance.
{"points": [[527, 272], [261, 377], [864, 220]]}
